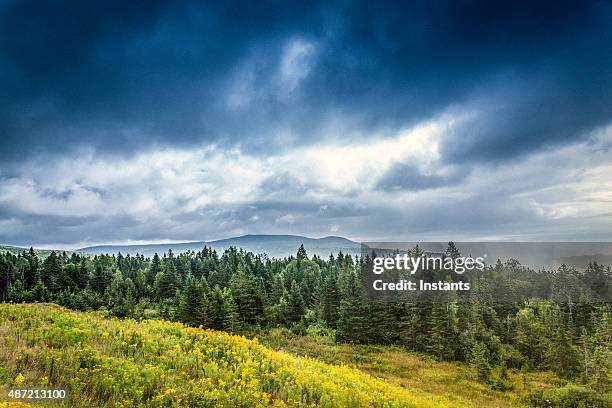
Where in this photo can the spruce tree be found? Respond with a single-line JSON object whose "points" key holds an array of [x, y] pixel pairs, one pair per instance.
{"points": [[562, 355], [68, 275], [82, 277], [481, 362], [278, 289], [167, 282], [193, 306], [329, 299], [119, 304], [352, 321], [31, 274], [452, 251], [602, 354], [436, 336], [440, 333], [247, 296], [40, 293], [295, 304], [102, 275], [154, 269], [51, 271], [301, 253], [216, 307], [231, 319]]}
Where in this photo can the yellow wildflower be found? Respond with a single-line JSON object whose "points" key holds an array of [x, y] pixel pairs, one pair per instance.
{"points": [[19, 380]]}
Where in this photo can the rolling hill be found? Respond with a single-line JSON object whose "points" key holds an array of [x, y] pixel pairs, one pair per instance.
{"points": [[272, 245]]}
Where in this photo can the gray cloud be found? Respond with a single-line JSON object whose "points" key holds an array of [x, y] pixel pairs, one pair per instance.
{"points": [[196, 120], [558, 194], [408, 176]]}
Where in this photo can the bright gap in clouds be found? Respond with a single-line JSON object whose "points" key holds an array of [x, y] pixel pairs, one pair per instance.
{"points": [[174, 195], [175, 180]]}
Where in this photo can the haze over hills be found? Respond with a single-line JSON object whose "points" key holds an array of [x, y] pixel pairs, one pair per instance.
{"points": [[577, 254], [272, 245], [41, 253]]}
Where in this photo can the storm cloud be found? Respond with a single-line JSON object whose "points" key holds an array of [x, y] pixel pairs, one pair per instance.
{"points": [[191, 120]]}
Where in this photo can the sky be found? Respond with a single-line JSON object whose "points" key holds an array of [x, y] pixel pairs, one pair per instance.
{"points": [[191, 120]]}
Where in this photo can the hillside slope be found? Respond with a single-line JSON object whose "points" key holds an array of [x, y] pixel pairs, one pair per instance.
{"points": [[111, 362]]}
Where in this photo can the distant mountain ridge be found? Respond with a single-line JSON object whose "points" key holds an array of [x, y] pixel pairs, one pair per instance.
{"points": [[271, 245]]}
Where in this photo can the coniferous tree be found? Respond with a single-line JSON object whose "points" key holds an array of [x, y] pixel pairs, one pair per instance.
{"points": [[408, 321], [67, 276], [6, 278], [82, 277], [301, 253], [329, 301], [469, 325], [216, 307], [193, 306], [278, 289], [441, 331], [232, 321], [121, 295], [295, 304], [452, 251], [154, 269], [481, 362], [602, 354], [352, 322], [140, 283], [247, 296], [102, 274], [31, 274], [51, 271], [40, 293], [167, 281], [530, 334], [562, 355]]}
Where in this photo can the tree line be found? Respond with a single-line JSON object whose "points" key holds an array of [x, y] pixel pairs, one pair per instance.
{"points": [[239, 291]]}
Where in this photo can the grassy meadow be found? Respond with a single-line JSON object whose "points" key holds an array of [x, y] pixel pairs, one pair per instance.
{"points": [[421, 374], [105, 362]]}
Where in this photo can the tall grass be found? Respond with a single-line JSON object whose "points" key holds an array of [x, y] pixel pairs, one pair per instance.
{"points": [[126, 363]]}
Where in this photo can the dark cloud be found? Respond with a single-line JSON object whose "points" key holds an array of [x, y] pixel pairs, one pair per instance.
{"points": [[120, 76], [550, 108]]}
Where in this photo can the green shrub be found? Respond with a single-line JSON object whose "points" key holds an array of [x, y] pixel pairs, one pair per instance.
{"points": [[501, 382], [570, 396]]}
